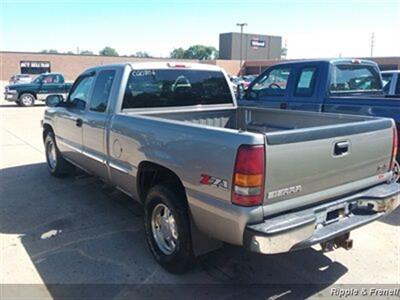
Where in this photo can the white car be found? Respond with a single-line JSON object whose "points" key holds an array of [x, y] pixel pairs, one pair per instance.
{"points": [[20, 78]]}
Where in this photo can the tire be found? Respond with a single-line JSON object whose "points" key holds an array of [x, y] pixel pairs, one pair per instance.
{"points": [[177, 259], [56, 164], [396, 172], [26, 99]]}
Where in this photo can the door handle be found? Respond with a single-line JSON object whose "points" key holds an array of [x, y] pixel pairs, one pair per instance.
{"points": [[283, 106], [79, 122], [341, 148]]}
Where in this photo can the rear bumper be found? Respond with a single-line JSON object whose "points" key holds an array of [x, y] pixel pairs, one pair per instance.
{"points": [[302, 229]]}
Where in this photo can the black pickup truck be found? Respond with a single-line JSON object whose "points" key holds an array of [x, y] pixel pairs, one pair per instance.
{"points": [[25, 94]]}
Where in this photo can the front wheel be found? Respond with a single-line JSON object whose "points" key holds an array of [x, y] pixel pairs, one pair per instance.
{"points": [[56, 164], [168, 229], [26, 99]]}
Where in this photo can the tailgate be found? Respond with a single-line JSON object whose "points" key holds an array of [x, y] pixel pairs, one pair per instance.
{"points": [[314, 164]]}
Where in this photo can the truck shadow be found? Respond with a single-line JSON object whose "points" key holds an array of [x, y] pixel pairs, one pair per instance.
{"points": [[87, 239], [21, 107]]}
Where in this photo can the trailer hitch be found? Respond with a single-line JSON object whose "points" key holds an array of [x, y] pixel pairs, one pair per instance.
{"points": [[343, 241]]}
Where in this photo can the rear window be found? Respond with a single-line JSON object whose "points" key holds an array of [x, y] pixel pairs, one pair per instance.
{"points": [[354, 79], [166, 88]]}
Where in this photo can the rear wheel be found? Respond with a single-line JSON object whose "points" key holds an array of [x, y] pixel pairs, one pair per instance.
{"points": [[26, 99], [56, 164], [168, 229]]}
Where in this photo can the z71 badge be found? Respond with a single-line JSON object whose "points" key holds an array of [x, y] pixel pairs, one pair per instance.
{"points": [[214, 181]]}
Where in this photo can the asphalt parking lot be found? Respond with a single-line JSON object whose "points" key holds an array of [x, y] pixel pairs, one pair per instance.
{"points": [[78, 231]]}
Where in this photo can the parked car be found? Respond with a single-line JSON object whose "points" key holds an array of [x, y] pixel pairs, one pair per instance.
{"points": [[233, 83], [20, 78], [245, 80], [250, 78], [205, 170], [391, 83], [26, 94], [348, 86]]}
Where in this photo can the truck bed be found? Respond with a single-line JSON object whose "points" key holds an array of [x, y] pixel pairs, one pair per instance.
{"points": [[261, 120], [300, 150]]}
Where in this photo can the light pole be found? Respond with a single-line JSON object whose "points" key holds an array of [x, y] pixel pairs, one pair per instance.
{"points": [[372, 43], [241, 42]]}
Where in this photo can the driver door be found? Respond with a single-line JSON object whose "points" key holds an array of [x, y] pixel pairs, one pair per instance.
{"points": [[270, 89], [51, 84], [69, 119]]}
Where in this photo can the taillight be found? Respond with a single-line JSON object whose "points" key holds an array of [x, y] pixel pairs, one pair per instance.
{"points": [[394, 148], [249, 176]]}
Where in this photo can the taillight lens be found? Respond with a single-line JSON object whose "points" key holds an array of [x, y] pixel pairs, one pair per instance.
{"points": [[394, 148], [249, 176]]}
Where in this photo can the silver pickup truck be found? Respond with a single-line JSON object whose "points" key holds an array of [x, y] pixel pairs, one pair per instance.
{"points": [[171, 137]]}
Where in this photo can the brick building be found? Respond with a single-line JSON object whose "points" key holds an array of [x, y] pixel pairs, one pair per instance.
{"points": [[72, 65]]}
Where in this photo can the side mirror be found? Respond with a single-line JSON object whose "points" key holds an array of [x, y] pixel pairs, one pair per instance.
{"points": [[54, 100]]}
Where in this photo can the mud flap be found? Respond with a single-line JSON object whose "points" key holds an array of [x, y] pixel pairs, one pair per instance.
{"points": [[202, 243]]}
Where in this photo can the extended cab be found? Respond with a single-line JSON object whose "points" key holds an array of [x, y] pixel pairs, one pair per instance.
{"points": [[25, 94], [391, 83], [171, 136]]}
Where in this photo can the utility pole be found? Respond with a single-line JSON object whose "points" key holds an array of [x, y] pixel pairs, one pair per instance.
{"points": [[372, 43], [284, 50], [241, 46]]}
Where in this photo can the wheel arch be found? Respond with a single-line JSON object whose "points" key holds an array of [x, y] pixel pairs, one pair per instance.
{"points": [[46, 129], [151, 174], [20, 93]]}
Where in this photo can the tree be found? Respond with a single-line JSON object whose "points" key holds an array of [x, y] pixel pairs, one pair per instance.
{"points": [[142, 54], [108, 51], [86, 52], [178, 53], [51, 51], [199, 52], [284, 53], [70, 53]]}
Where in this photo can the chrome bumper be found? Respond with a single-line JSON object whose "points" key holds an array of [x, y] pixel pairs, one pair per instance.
{"points": [[304, 228], [11, 97]]}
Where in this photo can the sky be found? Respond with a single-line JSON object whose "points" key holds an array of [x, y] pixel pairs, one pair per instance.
{"points": [[330, 28]]}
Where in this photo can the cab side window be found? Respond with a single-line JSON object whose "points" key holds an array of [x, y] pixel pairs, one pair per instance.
{"points": [[58, 79], [50, 79], [101, 92], [274, 82], [80, 91], [306, 82], [398, 85], [386, 81]]}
